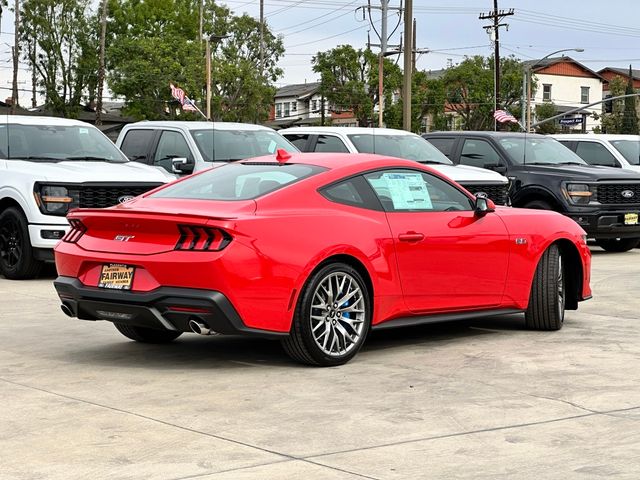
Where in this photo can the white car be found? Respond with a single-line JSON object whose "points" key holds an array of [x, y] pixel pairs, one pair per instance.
{"points": [[49, 166], [620, 151], [185, 147], [402, 144]]}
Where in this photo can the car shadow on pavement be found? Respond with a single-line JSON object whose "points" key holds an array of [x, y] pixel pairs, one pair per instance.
{"points": [[232, 352]]}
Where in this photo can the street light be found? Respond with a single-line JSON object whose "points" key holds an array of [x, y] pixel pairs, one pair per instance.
{"points": [[215, 39], [527, 79]]}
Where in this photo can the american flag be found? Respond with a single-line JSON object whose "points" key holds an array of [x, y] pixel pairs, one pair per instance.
{"points": [[186, 102], [503, 116]]}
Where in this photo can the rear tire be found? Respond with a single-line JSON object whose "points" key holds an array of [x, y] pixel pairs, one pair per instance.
{"points": [[548, 293], [618, 244], [17, 260], [147, 335], [332, 317]]}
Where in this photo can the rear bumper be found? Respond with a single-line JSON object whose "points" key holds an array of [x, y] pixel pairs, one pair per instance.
{"points": [[165, 308]]}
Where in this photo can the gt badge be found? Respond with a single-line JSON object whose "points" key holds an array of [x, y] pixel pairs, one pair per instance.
{"points": [[123, 238]]}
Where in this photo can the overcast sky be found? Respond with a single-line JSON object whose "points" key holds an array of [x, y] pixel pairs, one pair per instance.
{"points": [[608, 31]]}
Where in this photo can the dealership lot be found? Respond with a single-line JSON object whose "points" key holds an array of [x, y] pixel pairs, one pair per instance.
{"points": [[481, 399]]}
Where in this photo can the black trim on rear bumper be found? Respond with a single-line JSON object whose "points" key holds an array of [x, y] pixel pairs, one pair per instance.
{"points": [[151, 309]]}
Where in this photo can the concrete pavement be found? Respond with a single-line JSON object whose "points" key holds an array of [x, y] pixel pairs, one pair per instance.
{"points": [[482, 399]]}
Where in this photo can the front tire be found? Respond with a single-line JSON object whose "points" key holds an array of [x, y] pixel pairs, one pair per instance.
{"points": [[548, 293], [618, 244], [147, 335], [17, 260], [332, 317]]}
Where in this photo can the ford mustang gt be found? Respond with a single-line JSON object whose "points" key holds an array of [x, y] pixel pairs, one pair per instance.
{"points": [[316, 250]]}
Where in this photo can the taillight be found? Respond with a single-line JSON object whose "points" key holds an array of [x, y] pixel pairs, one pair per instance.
{"points": [[202, 239], [77, 230]]}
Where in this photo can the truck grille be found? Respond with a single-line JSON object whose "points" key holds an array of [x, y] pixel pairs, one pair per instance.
{"points": [[102, 196], [619, 193], [496, 192]]}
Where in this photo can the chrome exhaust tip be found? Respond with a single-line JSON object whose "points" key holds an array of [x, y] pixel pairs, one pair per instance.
{"points": [[66, 309], [200, 328]]}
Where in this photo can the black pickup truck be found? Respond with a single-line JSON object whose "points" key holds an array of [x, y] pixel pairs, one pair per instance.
{"points": [[544, 174]]}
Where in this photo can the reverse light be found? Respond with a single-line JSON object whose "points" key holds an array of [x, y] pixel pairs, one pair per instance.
{"points": [[202, 239], [578, 193], [77, 230]]}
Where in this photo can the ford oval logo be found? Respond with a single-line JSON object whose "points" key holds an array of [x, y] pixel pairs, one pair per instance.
{"points": [[127, 198], [481, 194], [627, 193]]}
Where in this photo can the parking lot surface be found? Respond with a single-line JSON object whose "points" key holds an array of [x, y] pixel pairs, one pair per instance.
{"points": [[482, 399]]}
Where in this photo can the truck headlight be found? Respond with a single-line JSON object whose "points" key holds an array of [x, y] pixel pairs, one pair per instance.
{"points": [[578, 193], [53, 199]]}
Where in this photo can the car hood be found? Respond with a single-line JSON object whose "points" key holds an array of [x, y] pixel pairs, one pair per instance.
{"points": [[79, 172], [465, 173], [585, 172]]}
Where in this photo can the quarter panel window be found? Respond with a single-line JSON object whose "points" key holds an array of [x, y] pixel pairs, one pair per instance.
{"points": [[413, 191]]}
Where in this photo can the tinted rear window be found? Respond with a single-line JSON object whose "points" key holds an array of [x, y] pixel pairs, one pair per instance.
{"points": [[238, 181]]}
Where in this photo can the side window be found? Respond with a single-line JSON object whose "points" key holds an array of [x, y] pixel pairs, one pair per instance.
{"points": [[298, 139], [136, 144], [414, 191], [171, 145], [445, 145], [596, 154], [344, 192], [329, 143], [479, 153]]}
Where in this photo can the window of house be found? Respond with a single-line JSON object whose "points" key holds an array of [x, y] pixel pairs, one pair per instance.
{"points": [[314, 106], [294, 106], [286, 109], [546, 92], [584, 94], [278, 110]]}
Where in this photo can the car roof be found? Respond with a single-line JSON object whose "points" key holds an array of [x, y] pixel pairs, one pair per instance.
{"points": [[596, 136], [481, 133], [340, 162], [346, 130], [41, 120], [197, 125]]}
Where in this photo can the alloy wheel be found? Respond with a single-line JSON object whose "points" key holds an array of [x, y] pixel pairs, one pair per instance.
{"points": [[11, 243], [561, 290], [338, 313]]}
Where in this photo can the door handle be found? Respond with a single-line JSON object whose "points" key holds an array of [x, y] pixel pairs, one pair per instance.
{"points": [[410, 237]]}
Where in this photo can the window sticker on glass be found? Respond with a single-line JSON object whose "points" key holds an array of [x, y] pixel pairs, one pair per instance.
{"points": [[272, 146], [408, 191], [83, 131]]}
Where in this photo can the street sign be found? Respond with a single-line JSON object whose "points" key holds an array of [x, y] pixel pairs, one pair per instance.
{"points": [[571, 121]]}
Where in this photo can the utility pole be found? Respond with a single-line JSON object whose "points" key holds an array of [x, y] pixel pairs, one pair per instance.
{"points": [[261, 37], [34, 100], [497, 16], [208, 69], [408, 41], [101, 69], [200, 30], [16, 55], [414, 50]]}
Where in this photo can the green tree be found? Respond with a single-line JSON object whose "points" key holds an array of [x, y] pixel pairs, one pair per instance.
{"points": [[612, 122], [155, 43], [60, 42], [349, 80], [469, 89], [543, 111], [630, 116]]}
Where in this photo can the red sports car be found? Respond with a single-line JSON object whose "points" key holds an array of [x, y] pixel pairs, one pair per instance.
{"points": [[316, 250]]}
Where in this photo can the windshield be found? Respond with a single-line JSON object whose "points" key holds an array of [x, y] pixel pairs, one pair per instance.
{"points": [[238, 181], [55, 143], [409, 147], [630, 149], [229, 145], [539, 150]]}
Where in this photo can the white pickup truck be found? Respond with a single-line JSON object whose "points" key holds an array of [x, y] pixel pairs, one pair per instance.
{"points": [[49, 166]]}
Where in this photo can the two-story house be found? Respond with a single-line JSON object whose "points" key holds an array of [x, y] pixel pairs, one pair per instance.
{"points": [[569, 85]]}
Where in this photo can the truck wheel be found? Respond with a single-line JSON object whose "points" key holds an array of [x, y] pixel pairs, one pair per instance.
{"points": [[548, 293], [147, 335], [618, 244], [17, 261], [538, 205]]}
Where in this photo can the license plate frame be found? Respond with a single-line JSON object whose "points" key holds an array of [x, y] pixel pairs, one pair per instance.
{"points": [[631, 219], [116, 276]]}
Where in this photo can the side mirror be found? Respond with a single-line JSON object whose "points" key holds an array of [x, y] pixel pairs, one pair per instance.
{"points": [[181, 165], [484, 205]]}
